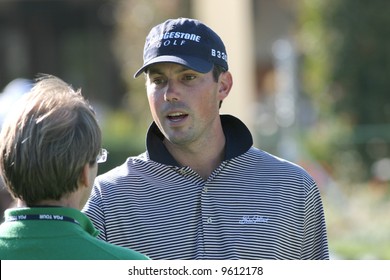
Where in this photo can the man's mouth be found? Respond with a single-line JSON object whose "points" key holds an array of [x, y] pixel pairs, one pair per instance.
{"points": [[177, 116]]}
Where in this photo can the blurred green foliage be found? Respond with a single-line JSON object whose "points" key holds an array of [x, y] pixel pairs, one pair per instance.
{"points": [[124, 129], [345, 72], [346, 66], [122, 137], [358, 221]]}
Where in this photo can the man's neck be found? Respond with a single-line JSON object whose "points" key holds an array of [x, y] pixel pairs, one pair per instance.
{"points": [[203, 159]]}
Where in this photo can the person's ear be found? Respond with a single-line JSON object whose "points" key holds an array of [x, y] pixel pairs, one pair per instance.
{"points": [[225, 83]]}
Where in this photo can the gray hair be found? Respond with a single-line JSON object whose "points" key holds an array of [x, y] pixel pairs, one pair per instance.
{"points": [[47, 140]]}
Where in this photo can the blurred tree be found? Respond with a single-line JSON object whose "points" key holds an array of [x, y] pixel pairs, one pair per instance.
{"points": [[125, 128], [67, 38], [346, 47], [360, 76], [134, 19]]}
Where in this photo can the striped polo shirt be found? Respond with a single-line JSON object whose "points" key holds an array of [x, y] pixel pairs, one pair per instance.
{"points": [[253, 206]]}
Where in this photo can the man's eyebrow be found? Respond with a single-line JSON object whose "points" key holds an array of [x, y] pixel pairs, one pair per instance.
{"points": [[151, 70]]}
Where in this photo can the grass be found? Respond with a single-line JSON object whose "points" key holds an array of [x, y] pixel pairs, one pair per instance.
{"points": [[358, 221]]}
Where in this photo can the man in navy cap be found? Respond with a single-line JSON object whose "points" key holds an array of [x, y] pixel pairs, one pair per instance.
{"points": [[201, 190]]}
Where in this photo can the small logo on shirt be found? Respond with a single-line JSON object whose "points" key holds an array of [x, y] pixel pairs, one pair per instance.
{"points": [[253, 220]]}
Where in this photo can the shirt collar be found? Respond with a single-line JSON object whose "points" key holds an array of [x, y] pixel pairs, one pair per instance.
{"points": [[238, 141], [73, 213]]}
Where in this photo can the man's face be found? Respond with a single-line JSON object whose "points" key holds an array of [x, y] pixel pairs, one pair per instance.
{"points": [[184, 103]]}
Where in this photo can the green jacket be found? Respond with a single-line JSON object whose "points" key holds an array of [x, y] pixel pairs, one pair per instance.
{"points": [[58, 233]]}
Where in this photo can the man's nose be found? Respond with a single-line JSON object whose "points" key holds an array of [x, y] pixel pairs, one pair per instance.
{"points": [[172, 91]]}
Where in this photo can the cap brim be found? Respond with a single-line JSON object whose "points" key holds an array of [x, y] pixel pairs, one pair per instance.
{"points": [[193, 63]]}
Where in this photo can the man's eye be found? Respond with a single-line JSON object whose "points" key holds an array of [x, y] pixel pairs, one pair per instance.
{"points": [[157, 81], [189, 77]]}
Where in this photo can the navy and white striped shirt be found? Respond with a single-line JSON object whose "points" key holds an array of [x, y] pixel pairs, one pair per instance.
{"points": [[253, 206]]}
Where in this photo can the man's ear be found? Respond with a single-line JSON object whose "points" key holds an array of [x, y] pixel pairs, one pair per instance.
{"points": [[84, 176], [225, 84]]}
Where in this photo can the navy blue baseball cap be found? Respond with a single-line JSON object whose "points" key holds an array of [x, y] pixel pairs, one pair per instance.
{"points": [[185, 41]]}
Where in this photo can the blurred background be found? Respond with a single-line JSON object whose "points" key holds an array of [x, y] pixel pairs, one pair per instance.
{"points": [[311, 81]]}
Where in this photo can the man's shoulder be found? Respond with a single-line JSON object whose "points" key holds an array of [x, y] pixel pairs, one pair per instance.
{"points": [[134, 166], [268, 160]]}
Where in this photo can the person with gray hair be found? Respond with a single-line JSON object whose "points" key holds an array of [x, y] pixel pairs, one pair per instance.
{"points": [[50, 146], [8, 97]]}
